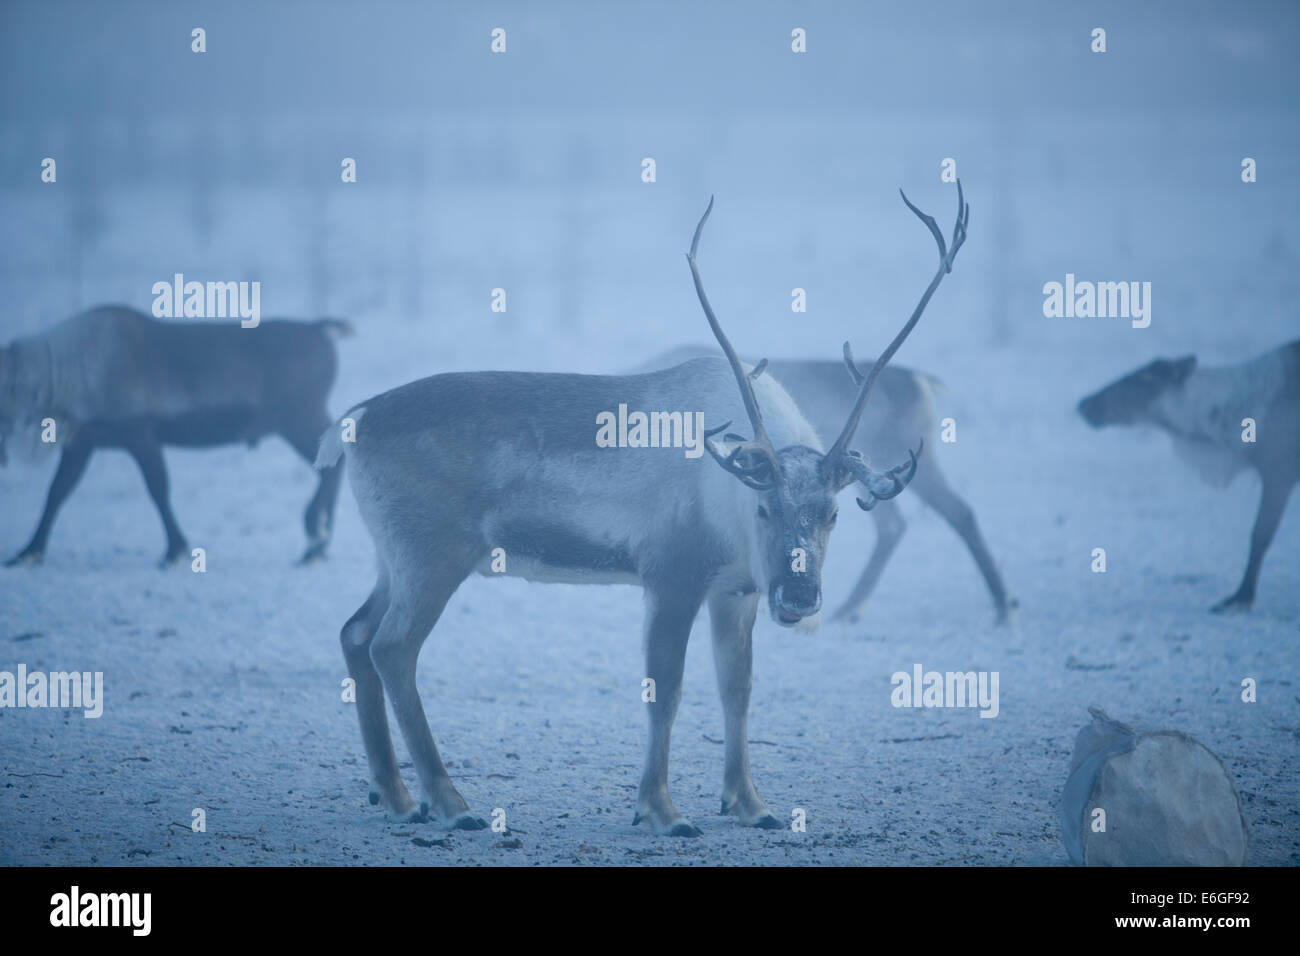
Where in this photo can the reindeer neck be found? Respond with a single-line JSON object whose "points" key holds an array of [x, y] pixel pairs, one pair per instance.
{"points": [[1209, 406]]}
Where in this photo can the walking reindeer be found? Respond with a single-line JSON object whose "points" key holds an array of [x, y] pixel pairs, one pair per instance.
{"points": [[450, 468], [112, 377], [1212, 414]]}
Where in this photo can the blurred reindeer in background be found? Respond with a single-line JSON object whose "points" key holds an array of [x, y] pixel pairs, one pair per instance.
{"points": [[1222, 419], [113, 377]]}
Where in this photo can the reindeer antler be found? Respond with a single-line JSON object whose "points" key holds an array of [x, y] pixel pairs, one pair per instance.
{"points": [[752, 460], [886, 486], [947, 253]]}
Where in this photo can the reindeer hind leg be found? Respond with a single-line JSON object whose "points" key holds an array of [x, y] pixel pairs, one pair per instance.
{"points": [[938, 494], [386, 785], [889, 531], [1272, 505], [144, 447], [416, 602], [318, 519]]}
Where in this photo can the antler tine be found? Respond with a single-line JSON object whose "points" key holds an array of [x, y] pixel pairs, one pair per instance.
{"points": [[851, 365], [946, 256], [959, 228], [742, 380], [889, 485], [931, 224]]}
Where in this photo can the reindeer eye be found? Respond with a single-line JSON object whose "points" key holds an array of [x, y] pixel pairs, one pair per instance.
{"points": [[762, 512], [834, 517]]}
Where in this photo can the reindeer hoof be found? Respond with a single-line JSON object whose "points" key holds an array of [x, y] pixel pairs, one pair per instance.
{"points": [[413, 815], [684, 828], [29, 558], [1232, 605], [765, 821], [173, 559], [374, 798], [314, 554], [467, 821]]}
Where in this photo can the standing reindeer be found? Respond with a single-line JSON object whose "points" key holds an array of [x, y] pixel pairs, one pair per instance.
{"points": [[449, 468], [113, 377], [903, 409], [1205, 410]]}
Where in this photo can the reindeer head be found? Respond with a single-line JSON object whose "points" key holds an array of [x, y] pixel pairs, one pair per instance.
{"points": [[796, 486], [1127, 401], [26, 382]]}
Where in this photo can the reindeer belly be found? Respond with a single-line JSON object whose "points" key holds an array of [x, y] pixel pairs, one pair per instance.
{"points": [[541, 551], [211, 426]]}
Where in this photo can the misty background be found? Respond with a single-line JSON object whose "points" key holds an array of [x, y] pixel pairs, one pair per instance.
{"points": [[522, 171]]}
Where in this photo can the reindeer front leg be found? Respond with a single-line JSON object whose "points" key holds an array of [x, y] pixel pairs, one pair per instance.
{"points": [[669, 617], [1272, 504], [732, 616], [72, 465]]}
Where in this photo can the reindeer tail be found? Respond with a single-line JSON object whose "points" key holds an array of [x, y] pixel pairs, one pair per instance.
{"points": [[334, 442], [336, 328], [331, 448]]}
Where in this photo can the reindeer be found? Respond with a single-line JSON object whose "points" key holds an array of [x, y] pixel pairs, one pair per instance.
{"points": [[1205, 410], [113, 377], [903, 409], [450, 468]]}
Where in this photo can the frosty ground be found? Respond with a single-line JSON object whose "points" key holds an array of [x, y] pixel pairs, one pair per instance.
{"points": [[223, 689]]}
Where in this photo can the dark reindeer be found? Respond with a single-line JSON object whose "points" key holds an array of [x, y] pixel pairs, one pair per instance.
{"points": [[113, 377], [1205, 409], [450, 468]]}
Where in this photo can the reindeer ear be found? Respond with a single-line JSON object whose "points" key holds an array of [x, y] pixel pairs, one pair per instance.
{"points": [[1182, 368]]}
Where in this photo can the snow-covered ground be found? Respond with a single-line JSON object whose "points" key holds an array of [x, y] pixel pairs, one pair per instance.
{"points": [[223, 689]]}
